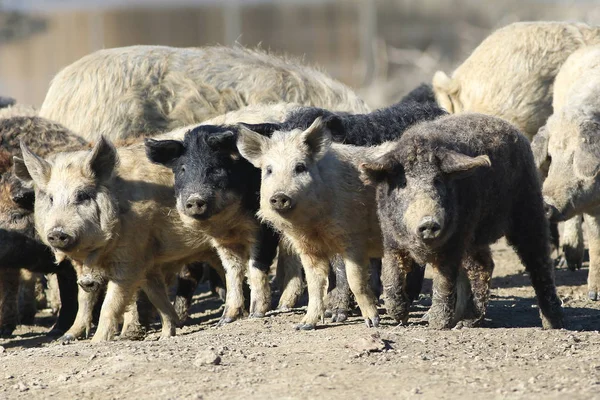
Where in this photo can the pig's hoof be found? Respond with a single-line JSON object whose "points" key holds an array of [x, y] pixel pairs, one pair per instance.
{"points": [[67, 339], [339, 315], [133, 332], [225, 320], [305, 327], [372, 322], [328, 313], [593, 295], [468, 323], [256, 315], [284, 308], [573, 257], [6, 331], [425, 317]]}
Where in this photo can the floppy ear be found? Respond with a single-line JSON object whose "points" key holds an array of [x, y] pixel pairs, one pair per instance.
{"points": [[265, 129], [318, 139], [251, 145], [459, 166], [539, 147], [586, 160], [336, 127], [32, 167], [102, 160], [163, 152], [445, 88]]}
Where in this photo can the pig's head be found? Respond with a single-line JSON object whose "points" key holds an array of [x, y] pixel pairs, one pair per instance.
{"points": [[210, 175], [573, 180], [417, 191], [75, 211], [291, 185]]}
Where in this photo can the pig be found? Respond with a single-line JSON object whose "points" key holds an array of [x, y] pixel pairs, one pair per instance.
{"points": [[448, 189], [108, 211], [148, 90], [511, 73], [18, 122], [570, 142]]}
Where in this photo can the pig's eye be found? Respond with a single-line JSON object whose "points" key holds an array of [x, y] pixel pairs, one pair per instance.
{"points": [[300, 168], [268, 170], [51, 199], [182, 169], [82, 197]]}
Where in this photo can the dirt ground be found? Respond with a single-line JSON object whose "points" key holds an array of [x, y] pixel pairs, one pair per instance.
{"points": [[510, 357]]}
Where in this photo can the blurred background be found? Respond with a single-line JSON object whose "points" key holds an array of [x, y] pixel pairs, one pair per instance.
{"points": [[383, 48]]}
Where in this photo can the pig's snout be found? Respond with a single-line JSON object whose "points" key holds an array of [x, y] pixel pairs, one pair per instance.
{"points": [[88, 283], [281, 202], [59, 239], [196, 206], [551, 212], [429, 228]]}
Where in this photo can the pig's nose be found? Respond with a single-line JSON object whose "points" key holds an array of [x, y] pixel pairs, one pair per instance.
{"points": [[88, 284], [550, 211], [429, 228], [59, 239], [281, 202], [195, 206]]}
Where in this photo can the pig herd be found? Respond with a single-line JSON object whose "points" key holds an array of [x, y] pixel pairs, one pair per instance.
{"points": [[149, 167]]}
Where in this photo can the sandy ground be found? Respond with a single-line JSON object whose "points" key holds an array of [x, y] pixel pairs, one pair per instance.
{"points": [[510, 357]]}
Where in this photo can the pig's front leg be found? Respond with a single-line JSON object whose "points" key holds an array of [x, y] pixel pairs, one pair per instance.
{"points": [[316, 270], [234, 264], [83, 320], [593, 224], [357, 271], [119, 294]]}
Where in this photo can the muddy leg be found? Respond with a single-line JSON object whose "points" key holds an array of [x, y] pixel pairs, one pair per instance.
{"points": [[67, 289], [234, 266], [529, 236], [154, 287], [293, 286], [593, 224], [375, 268], [83, 320], [357, 271], [479, 266], [396, 273], [261, 257], [137, 317], [118, 296], [572, 242], [441, 313], [9, 295], [187, 282], [316, 270], [339, 298]]}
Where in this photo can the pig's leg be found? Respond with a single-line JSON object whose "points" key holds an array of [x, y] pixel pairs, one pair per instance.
{"points": [[479, 266], [9, 294], [27, 297], [339, 297], [67, 288], [441, 313], [187, 282], [293, 285], [234, 264], [154, 287], [316, 269], [529, 236], [134, 326], [83, 320], [119, 294], [401, 278], [572, 242], [261, 257], [593, 224], [357, 271]]}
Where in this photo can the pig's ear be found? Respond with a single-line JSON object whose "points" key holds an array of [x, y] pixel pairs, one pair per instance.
{"points": [[458, 166], [32, 167], [317, 138], [539, 147], [374, 172], [265, 129], [102, 160], [445, 89], [586, 160], [251, 145], [222, 140], [164, 152], [336, 127]]}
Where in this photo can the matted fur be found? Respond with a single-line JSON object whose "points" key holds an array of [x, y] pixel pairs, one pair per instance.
{"points": [[572, 144], [510, 74], [145, 90]]}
